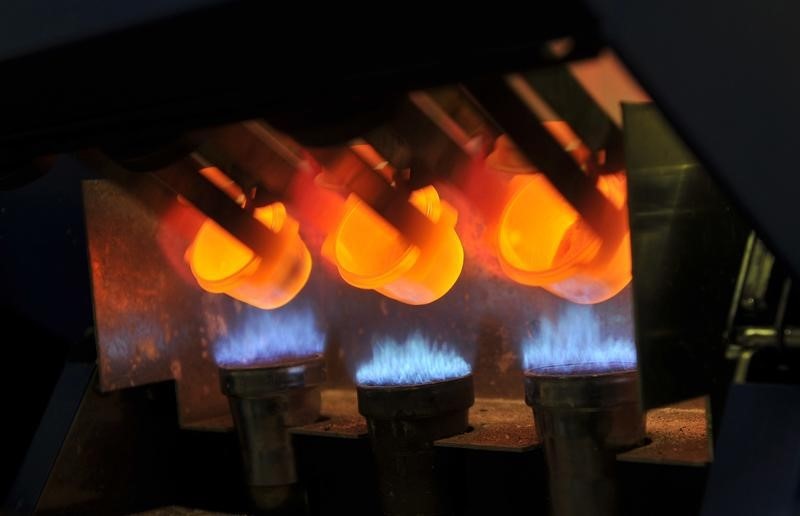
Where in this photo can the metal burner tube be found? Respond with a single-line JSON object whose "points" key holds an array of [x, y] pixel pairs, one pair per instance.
{"points": [[583, 420], [403, 423], [265, 402]]}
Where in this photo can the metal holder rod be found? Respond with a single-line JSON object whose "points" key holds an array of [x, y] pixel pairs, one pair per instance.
{"points": [[403, 422], [183, 179], [510, 113], [583, 419], [265, 401], [566, 96]]}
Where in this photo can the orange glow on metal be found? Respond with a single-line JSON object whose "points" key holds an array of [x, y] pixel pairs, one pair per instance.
{"points": [[316, 206], [415, 262], [564, 134], [222, 264], [374, 160], [541, 239], [218, 178]]}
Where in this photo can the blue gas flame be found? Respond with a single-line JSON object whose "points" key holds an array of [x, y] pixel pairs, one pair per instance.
{"points": [[271, 336], [575, 343], [416, 360]]}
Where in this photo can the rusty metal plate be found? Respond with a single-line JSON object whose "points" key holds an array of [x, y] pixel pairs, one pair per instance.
{"points": [[340, 417], [678, 435], [497, 425], [152, 323]]}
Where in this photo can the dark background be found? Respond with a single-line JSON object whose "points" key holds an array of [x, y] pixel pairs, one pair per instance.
{"points": [[45, 305]]}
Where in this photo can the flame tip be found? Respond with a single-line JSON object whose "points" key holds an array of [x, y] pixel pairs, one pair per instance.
{"points": [[574, 344], [417, 360], [271, 337]]}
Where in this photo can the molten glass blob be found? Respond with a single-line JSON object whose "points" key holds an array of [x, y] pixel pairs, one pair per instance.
{"points": [[416, 264], [543, 241], [222, 264]]}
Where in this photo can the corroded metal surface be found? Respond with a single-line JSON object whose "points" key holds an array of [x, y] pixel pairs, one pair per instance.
{"points": [[678, 435], [340, 417], [152, 322], [345, 427], [498, 425]]}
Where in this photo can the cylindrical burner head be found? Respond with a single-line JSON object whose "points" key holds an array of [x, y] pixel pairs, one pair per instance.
{"points": [[583, 419], [266, 400], [610, 399], [403, 422], [416, 401], [257, 381]]}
